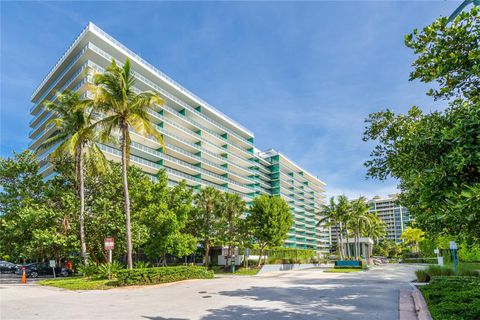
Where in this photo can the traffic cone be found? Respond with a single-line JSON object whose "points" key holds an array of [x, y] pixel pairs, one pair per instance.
{"points": [[24, 277]]}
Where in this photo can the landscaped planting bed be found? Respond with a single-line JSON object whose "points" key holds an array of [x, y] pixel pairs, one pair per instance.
{"points": [[453, 298], [161, 275]]}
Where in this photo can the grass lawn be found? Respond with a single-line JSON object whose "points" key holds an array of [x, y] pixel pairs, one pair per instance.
{"points": [[79, 283], [238, 271], [453, 298], [344, 270]]}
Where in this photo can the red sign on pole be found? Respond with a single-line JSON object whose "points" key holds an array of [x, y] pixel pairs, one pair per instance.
{"points": [[109, 243]]}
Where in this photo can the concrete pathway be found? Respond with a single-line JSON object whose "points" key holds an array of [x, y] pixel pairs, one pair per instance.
{"points": [[305, 294]]}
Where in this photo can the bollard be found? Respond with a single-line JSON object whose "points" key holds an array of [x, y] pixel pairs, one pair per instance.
{"points": [[24, 276]]}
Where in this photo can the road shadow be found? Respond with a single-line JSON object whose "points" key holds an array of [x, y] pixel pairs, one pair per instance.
{"points": [[253, 313]]}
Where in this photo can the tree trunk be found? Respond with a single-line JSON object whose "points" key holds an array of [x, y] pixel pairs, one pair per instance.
{"points": [[348, 244], [207, 251], [342, 252], [126, 195], [339, 245], [81, 193], [261, 255]]}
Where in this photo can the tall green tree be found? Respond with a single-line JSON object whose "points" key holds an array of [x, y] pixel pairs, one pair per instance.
{"points": [[125, 109], [436, 156], [270, 219], [75, 137], [344, 216], [360, 221], [206, 220], [330, 217], [412, 237], [232, 208]]}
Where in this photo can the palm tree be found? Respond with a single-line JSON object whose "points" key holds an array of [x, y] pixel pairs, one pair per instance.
{"points": [[344, 216], [376, 229], [359, 222], [232, 207], [124, 108], [330, 217], [207, 213], [75, 136]]}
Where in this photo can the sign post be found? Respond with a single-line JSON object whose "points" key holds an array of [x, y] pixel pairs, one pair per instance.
{"points": [[109, 245], [439, 258], [453, 247], [51, 263]]}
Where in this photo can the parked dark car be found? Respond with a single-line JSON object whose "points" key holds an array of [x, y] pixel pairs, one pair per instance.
{"points": [[34, 270], [8, 267]]}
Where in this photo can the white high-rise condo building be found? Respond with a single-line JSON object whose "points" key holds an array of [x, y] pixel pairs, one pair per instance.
{"points": [[205, 147]]}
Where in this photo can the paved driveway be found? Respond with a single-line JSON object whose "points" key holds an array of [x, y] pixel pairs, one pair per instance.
{"points": [[308, 294]]}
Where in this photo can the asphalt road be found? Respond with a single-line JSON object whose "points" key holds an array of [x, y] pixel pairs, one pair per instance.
{"points": [[308, 294]]}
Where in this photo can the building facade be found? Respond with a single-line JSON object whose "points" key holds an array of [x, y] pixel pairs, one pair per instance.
{"points": [[205, 147], [392, 214]]}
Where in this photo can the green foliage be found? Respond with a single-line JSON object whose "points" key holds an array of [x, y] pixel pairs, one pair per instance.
{"points": [[436, 156], [88, 270], [468, 253], [453, 298], [115, 267], [386, 248], [434, 271], [161, 275], [141, 265], [422, 275], [270, 219], [288, 255], [449, 54], [412, 237]]}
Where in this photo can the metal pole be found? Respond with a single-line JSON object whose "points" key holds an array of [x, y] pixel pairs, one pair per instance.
{"points": [[109, 264], [454, 260]]}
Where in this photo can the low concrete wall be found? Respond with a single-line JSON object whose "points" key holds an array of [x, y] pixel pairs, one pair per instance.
{"points": [[285, 267]]}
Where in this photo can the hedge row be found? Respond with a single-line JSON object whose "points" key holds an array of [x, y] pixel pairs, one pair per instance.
{"points": [[161, 275], [453, 298]]}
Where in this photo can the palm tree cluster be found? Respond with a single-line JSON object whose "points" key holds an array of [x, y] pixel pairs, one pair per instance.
{"points": [[116, 108], [351, 219]]}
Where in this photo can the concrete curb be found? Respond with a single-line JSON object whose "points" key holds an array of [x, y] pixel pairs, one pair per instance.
{"points": [[420, 304]]}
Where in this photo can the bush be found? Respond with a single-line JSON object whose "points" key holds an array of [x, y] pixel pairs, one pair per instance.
{"points": [[102, 271], [434, 271], [161, 275], [422, 276], [452, 298], [88, 270], [142, 265]]}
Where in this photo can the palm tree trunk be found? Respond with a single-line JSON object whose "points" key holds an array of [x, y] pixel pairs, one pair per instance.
{"points": [[339, 245], [260, 257], [348, 244], [81, 193], [126, 195], [342, 252]]}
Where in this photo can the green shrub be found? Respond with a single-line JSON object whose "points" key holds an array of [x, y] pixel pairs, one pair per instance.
{"points": [[422, 276], [88, 270], [439, 271], [453, 297], [102, 271], [142, 265], [161, 275]]}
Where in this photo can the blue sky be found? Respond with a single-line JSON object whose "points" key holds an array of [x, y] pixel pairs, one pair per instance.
{"points": [[301, 76]]}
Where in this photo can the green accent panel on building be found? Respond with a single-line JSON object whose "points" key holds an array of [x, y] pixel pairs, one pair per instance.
{"points": [[225, 175], [275, 183], [225, 146], [251, 139], [160, 112], [225, 165], [160, 162], [274, 168], [160, 125], [275, 158], [197, 187], [199, 132], [198, 143], [224, 155], [276, 191], [275, 175], [250, 150], [199, 176], [225, 185], [182, 112], [198, 108], [198, 164], [225, 136], [199, 153]]}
